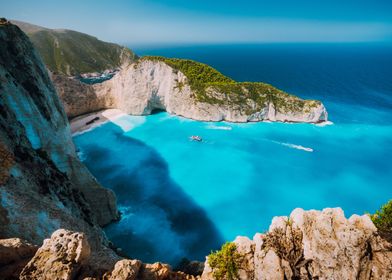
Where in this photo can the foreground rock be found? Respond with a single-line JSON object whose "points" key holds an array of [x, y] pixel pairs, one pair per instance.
{"points": [[60, 257], [315, 245], [306, 245], [67, 255], [14, 255]]}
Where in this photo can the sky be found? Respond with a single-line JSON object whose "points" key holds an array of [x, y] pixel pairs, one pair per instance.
{"points": [[208, 21]]}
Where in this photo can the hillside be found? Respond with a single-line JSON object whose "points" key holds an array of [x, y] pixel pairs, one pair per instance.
{"points": [[72, 53]]}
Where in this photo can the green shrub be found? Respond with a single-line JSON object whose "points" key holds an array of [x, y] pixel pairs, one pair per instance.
{"points": [[382, 219], [225, 262]]}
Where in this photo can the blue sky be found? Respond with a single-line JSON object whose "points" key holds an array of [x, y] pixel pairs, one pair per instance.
{"points": [[200, 21]]}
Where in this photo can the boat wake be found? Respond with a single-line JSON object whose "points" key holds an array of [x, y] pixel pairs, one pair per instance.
{"points": [[294, 146]]}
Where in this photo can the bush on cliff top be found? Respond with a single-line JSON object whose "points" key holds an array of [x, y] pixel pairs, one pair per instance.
{"points": [[382, 219], [225, 262], [202, 78]]}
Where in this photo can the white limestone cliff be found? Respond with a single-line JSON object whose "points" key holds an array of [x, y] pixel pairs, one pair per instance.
{"points": [[144, 86]]}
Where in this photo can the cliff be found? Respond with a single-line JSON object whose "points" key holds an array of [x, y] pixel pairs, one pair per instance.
{"points": [[43, 185], [186, 88], [307, 245]]}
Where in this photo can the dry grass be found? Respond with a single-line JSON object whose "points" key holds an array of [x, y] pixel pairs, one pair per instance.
{"points": [[287, 244]]}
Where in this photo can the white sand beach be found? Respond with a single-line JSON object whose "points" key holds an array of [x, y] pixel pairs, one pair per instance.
{"points": [[91, 120]]}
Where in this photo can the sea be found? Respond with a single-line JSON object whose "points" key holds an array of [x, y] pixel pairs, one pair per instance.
{"points": [[180, 199]]}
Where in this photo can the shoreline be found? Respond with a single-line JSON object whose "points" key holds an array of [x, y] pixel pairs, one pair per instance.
{"points": [[89, 121]]}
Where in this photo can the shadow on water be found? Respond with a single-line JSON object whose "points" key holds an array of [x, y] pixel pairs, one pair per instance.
{"points": [[159, 221]]}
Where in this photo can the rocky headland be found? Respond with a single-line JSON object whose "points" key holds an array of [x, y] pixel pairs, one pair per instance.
{"points": [[154, 83]]}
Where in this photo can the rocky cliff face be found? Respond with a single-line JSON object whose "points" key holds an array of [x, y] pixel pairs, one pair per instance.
{"points": [[43, 185], [146, 85]]}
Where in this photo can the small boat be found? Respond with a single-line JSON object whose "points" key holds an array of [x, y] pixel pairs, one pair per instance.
{"points": [[196, 138]]}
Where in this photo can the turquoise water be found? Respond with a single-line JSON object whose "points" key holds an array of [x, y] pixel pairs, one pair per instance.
{"points": [[181, 198]]}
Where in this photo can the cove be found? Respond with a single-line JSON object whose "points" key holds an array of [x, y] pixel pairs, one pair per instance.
{"points": [[180, 198]]}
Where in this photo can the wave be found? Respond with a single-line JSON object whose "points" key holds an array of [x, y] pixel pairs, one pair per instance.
{"points": [[325, 123], [82, 157], [217, 127]]}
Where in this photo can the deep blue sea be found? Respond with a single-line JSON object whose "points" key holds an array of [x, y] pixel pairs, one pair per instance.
{"points": [[180, 198]]}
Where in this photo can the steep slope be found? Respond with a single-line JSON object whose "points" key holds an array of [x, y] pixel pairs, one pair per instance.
{"points": [[43, 185], [71, 53]]}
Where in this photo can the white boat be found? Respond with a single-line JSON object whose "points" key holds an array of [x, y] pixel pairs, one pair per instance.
{"points": [[196, 138]]}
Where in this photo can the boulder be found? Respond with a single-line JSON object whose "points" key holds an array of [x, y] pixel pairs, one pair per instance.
{"points": [[124, 270], [60, 257], [15, 253]]}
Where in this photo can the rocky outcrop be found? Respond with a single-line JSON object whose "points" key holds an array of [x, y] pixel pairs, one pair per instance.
{"points": [[43, 185], [147, 85], [67, 255], [314, 245], [60, 257], [306, 245]]}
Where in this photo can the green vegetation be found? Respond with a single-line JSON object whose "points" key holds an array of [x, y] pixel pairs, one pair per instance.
{"points": [[382, 219], [225, 262], [205, 81], [72, 53]]}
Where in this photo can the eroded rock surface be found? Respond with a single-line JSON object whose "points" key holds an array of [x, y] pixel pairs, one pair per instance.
{"points": [[60, 257], [315, 245], [306, 245], [15, 253]]}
